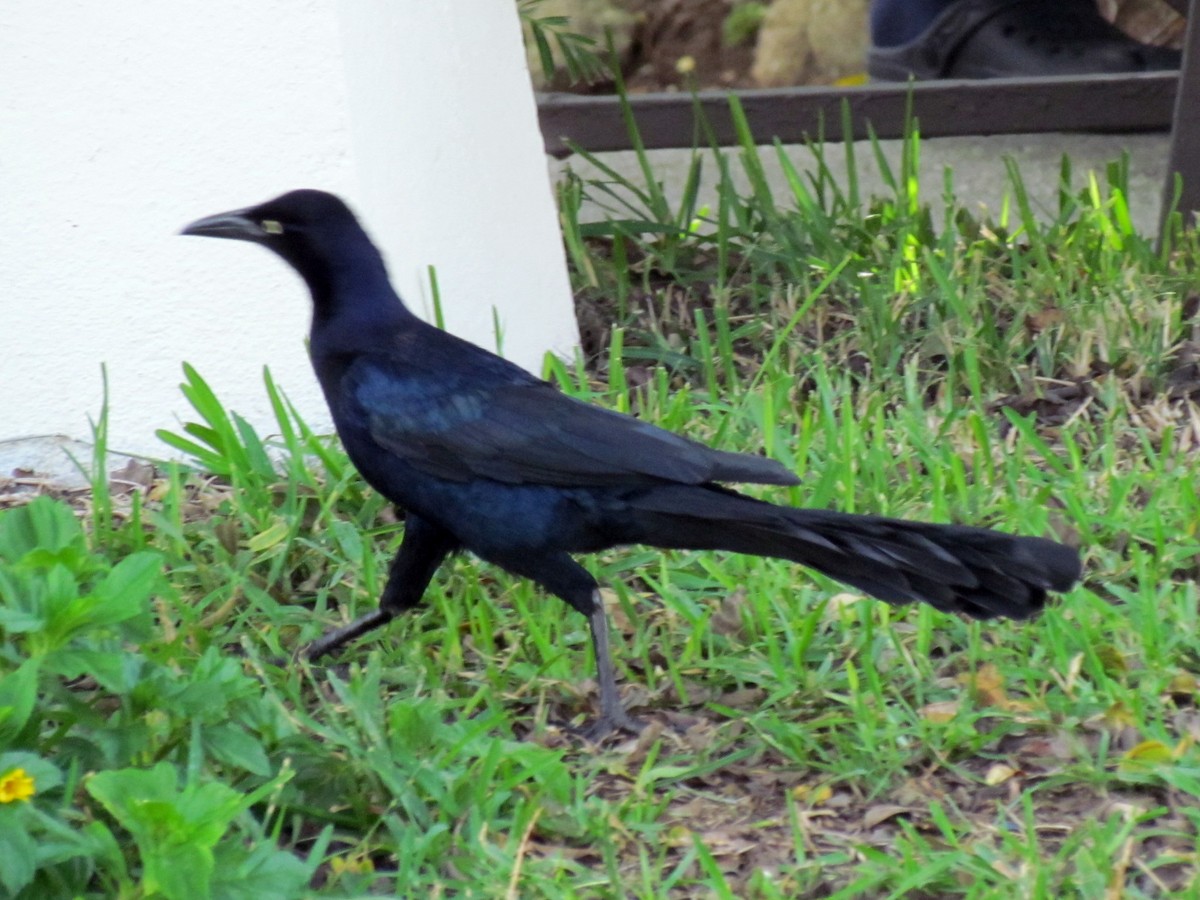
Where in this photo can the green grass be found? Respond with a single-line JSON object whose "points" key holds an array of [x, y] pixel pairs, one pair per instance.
{"points": [[1032, 372]]}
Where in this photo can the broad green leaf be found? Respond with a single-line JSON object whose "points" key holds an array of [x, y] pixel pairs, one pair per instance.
{"points": [[232, 745], [18, 851], [18, 693], [125, 590], [45, 524]]}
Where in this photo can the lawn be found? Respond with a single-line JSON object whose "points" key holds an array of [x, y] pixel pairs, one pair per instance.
{"points": [[1036, 371]]}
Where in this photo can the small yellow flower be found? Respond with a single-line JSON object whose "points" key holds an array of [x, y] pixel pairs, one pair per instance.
{"points": [[15, 785]]}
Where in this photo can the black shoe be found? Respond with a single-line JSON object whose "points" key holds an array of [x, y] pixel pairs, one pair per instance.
{"points": [[1018, 38]]}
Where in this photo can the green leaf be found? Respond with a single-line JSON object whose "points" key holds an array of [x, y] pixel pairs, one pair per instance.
{"points": [[268, 538], [120, 596], [255, 452], [349, 539], [203, 455], [116, 671], [175, 830], [18, 693], [44, 525], [231, 744], [125, 590], [75, 559], [44, 773], [20, 613], [261, 872], [18, 850]]}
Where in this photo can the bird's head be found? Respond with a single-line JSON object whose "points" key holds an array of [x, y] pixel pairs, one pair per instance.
{"points": [[313, 231], [295, 225]]}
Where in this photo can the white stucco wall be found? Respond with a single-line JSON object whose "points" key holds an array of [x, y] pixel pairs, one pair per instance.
{"points": [[120, 123]]}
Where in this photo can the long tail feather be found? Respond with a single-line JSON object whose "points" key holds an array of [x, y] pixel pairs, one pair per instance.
{"points": [[956, 568]]}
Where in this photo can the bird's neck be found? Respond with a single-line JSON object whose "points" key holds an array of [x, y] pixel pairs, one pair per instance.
{"points": [[351, 292]]}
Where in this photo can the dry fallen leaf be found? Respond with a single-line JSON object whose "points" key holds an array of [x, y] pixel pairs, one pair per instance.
{"points": [[1059, 747], [227, 531], [727, 620], [134, 475], [998, 773], [812, 794], [1117, 717], [839, 601], [987, 686], [1044, 318], [1184, 686], [618, 619], [743, 698], [941, 712], [877, 815]]}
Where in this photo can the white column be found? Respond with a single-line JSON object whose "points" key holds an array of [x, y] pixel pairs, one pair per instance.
{"points": [[452, 174]]}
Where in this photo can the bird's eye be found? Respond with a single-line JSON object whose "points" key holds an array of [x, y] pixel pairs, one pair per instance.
{"points": [[271, 226]]}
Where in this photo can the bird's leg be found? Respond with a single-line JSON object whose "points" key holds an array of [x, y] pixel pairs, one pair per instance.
{"points": [[421, 551], [612, 713], [335, 638], [558, 573]]}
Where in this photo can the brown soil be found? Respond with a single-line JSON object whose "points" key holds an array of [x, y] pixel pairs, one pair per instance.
{"points": [[679, 41], [676, 45]]}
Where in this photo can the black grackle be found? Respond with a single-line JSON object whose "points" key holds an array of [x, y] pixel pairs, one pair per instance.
{"points": [[482, 456]]}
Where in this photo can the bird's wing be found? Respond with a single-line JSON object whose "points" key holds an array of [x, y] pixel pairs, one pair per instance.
{"points": [[523, 431]]}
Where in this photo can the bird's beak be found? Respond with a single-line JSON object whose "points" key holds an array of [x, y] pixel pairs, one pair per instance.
{"points": [[239, 224]]}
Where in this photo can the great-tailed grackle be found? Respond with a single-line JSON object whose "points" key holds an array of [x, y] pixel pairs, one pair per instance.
{"points": [[485, 457]]}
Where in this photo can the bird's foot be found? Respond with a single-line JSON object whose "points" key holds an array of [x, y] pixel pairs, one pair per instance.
{"points": [[336, 638], [608, 723]]}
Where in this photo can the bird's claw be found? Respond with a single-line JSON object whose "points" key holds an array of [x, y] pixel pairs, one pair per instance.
{"points": [[610, 723]]}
